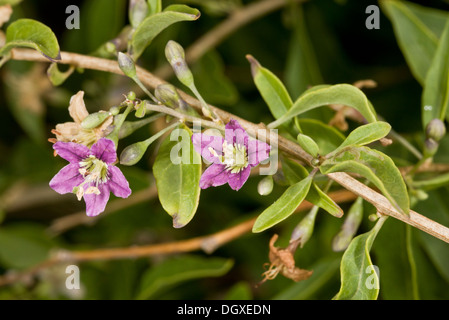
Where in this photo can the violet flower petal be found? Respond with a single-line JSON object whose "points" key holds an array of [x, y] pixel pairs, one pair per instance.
{"points": [[237, 180], [66, 179], [202, 143], [235, 134], [215, 175], [95, 204], [71, 151], [117, 183], [104, 150], [258, 151]]}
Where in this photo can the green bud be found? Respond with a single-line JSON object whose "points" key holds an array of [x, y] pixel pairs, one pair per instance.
{"points": [[93, 120], [350, 226], [176, 57], [168, 95], [133, 153], [127, 65], [303, 231], [131, 96], [435, 129], [138, 10], [141, 109], [430, 147], [265, 186]]}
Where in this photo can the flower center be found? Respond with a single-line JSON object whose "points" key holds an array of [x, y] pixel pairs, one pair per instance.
{"points": [[95, 172], [235, 157]]}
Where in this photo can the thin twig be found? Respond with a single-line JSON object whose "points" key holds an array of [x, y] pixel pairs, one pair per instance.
{"points": [[215, 36], [283, 144]]}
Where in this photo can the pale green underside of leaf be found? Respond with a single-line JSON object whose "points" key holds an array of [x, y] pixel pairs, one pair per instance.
{"points": [[175, 271], [31, 34], [156, 23], [359, 280], [377, 167], [323, 95], [283, 207], [178, 184]]}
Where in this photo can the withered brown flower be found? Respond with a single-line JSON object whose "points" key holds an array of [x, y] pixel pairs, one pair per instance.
{"points": [[282, 261], [73, 132]]}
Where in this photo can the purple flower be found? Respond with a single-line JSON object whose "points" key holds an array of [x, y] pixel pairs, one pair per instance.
{"points": [[91, 174], [232, 157]]}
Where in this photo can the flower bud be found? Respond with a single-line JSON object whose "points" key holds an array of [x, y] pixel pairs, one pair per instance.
{"points": [[114, 110], [350, 226], [133, 153], [265, 186], [138, 10], [93, 120], [131, 96], [430, 147], [303, 231], [176, 57], [435, 129], [127, 65], [168, 95]]}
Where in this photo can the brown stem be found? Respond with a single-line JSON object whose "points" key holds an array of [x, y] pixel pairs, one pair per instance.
{"points": [[285, 145]]}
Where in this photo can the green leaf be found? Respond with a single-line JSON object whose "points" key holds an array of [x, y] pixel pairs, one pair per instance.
{"points": [[377, 167], [324, 95], [327, 137], [175, 271], [283, 207], [56, 76], [435, 97], [11, 2], [359, 279], [31, 34], [240, 291], [366, 134], [295, 172], [178, 184], [156, 23], [308, 144], [271, 89], [23, 245], [417, 31]]}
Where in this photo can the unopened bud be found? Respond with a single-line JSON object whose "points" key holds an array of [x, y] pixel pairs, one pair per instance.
{"points": [[138, 10], [127, 65], [176, 57], [131, 96], [93, 120], [430, 147], [350, 226], [435, 129], [168, 95], [133, 153], [303, 231], [265, 186]]}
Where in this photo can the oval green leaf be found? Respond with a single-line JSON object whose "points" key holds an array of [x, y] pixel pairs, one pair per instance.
{"points": [[345, 94], [359, 278], [156, 23], [327, 137], [377, 167], [178, 184], [283, 207], [366, 134], [435, 98], [31, 34], [175, 271]]}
